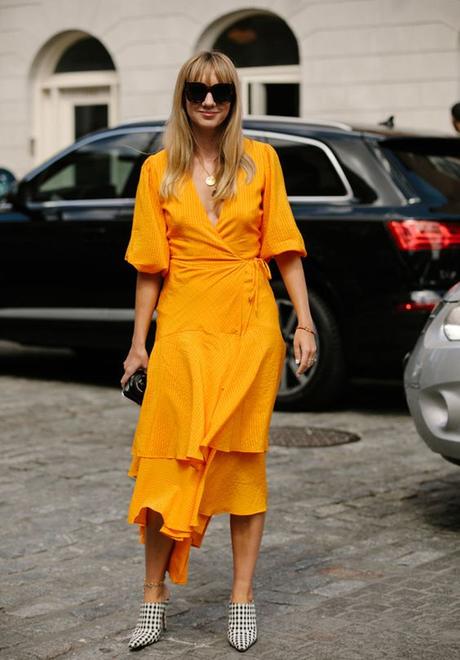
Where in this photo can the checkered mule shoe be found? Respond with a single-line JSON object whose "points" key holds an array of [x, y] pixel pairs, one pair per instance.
{"points": [[151, 623], [242, 625]]}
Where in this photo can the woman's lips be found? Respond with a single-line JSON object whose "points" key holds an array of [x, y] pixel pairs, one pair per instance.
{"points": [[208, 114]]}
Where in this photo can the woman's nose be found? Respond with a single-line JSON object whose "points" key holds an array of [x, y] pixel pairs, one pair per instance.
{"points": [[209, 100]]}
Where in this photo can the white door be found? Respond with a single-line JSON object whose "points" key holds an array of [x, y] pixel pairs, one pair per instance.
{"points": [[270, 90], [82, 111], [72, 105]]}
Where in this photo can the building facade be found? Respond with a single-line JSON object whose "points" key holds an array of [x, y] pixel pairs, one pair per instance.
{"points": [[68, 67]]}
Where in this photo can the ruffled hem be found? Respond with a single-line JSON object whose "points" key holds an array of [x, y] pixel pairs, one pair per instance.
{"points": [[187, 495]]}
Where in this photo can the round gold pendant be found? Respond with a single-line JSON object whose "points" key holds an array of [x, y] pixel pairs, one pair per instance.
{"points": [[210, 180]]}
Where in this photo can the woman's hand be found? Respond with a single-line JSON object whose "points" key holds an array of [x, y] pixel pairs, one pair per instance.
{"points": [[137, 357], [148, 287], [304, 350], [291, 269]]}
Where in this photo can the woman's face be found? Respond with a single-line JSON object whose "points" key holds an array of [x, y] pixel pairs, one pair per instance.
{"points": [[208, 114]]}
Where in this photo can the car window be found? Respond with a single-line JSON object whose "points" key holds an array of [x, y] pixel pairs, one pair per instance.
{"points": [[308, 170], [432, 166], [107, 168]]}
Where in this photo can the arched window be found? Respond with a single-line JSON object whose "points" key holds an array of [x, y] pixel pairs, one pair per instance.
{"points": [[75, 91], [260, 40], [265, 51], [87, 54]]}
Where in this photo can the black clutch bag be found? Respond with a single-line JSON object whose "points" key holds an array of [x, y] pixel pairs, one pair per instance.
{"points": [[135, 386]]}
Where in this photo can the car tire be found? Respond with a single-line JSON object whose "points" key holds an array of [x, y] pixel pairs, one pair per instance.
{"points": [[321, 386]]}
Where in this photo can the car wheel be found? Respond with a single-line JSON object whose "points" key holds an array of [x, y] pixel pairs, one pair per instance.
{"points": [[323, 384]]}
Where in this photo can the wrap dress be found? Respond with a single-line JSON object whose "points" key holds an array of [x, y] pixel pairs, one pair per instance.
{"points": [[213, 374]]}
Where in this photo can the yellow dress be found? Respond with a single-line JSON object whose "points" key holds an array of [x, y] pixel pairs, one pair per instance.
{"points": [[214, 371]]}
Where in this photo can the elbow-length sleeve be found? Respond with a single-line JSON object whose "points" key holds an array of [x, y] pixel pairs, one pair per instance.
{"points": [[279, 229], [148, 247]]}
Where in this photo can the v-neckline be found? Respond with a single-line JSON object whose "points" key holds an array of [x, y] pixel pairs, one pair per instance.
{"points": [[202, 206], [224, 203]]}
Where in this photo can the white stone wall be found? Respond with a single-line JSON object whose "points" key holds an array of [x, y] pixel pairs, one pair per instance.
{"points": [[361, 60]]}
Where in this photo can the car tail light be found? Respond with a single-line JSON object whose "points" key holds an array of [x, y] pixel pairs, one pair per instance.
{"points": [[415, 307], [413, 235], [420, 301]]}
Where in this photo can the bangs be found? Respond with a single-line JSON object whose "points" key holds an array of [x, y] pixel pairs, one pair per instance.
{"points": [[201, 71]]}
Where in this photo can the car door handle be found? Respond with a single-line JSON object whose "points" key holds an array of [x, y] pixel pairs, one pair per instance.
{"points": [[94, 231], [53, 215]]}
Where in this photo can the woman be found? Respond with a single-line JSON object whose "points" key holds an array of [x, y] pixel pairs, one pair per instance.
{"points": [[211, 210]]}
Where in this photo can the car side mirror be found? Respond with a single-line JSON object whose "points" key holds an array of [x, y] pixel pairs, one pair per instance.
{"points": [[7, 183], [17, 196]]}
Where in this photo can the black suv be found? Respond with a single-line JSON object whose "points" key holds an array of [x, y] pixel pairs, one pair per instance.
{"points": [[379, 211]]}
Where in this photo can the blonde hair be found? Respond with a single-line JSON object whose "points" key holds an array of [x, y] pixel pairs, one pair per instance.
{"points": [[178, 138]]}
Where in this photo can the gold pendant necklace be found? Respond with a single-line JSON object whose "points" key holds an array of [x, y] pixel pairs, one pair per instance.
{"points": [[210, 180]]}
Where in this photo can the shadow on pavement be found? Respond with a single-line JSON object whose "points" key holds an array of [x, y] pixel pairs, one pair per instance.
{"points": [[96, 368], [437, 501], [106, 369]]}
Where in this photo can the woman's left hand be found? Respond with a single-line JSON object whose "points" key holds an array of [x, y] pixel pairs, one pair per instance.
{"points": [[304, 350]]}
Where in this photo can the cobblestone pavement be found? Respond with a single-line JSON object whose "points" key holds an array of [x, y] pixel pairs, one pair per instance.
{"points": [[359, 559]]}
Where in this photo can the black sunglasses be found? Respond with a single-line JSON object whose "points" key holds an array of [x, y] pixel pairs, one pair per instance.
{"points": [[221, 92]]}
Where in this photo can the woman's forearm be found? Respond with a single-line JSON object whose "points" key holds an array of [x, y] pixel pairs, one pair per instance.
{"points": [[148, 288], [290, 267]]}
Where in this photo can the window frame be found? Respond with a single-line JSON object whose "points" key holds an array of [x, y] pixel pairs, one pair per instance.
{"points": [[289, 137], [86, 203]]}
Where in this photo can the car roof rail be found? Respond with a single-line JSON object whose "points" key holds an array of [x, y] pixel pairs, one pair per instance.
{"points": [[312, 121], [301, 120], [150, 119]]}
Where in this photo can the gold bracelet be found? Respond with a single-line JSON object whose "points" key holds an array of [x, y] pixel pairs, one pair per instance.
{"points": [[303, 327]]}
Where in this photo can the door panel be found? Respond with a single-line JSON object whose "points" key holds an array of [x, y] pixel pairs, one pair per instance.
{"points": [[69, 248]]}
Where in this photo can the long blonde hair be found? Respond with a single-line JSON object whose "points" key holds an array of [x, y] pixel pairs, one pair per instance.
{"points": [[178, 138]]}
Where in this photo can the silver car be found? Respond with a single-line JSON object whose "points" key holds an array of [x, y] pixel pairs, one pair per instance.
{"points": [[432, 378]]}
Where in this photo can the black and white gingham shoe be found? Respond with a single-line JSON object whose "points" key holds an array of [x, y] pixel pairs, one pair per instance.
{"points": [[242, 625], [151, 623]]}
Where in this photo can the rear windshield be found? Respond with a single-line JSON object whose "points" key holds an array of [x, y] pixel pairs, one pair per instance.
{"points": [[432, 168]]}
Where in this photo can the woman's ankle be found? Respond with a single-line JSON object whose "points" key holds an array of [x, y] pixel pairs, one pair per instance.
{"points": [[155, 591], [241, 593]]}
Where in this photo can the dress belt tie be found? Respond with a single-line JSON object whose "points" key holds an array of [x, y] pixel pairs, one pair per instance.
{"points": [[258, 264]]}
